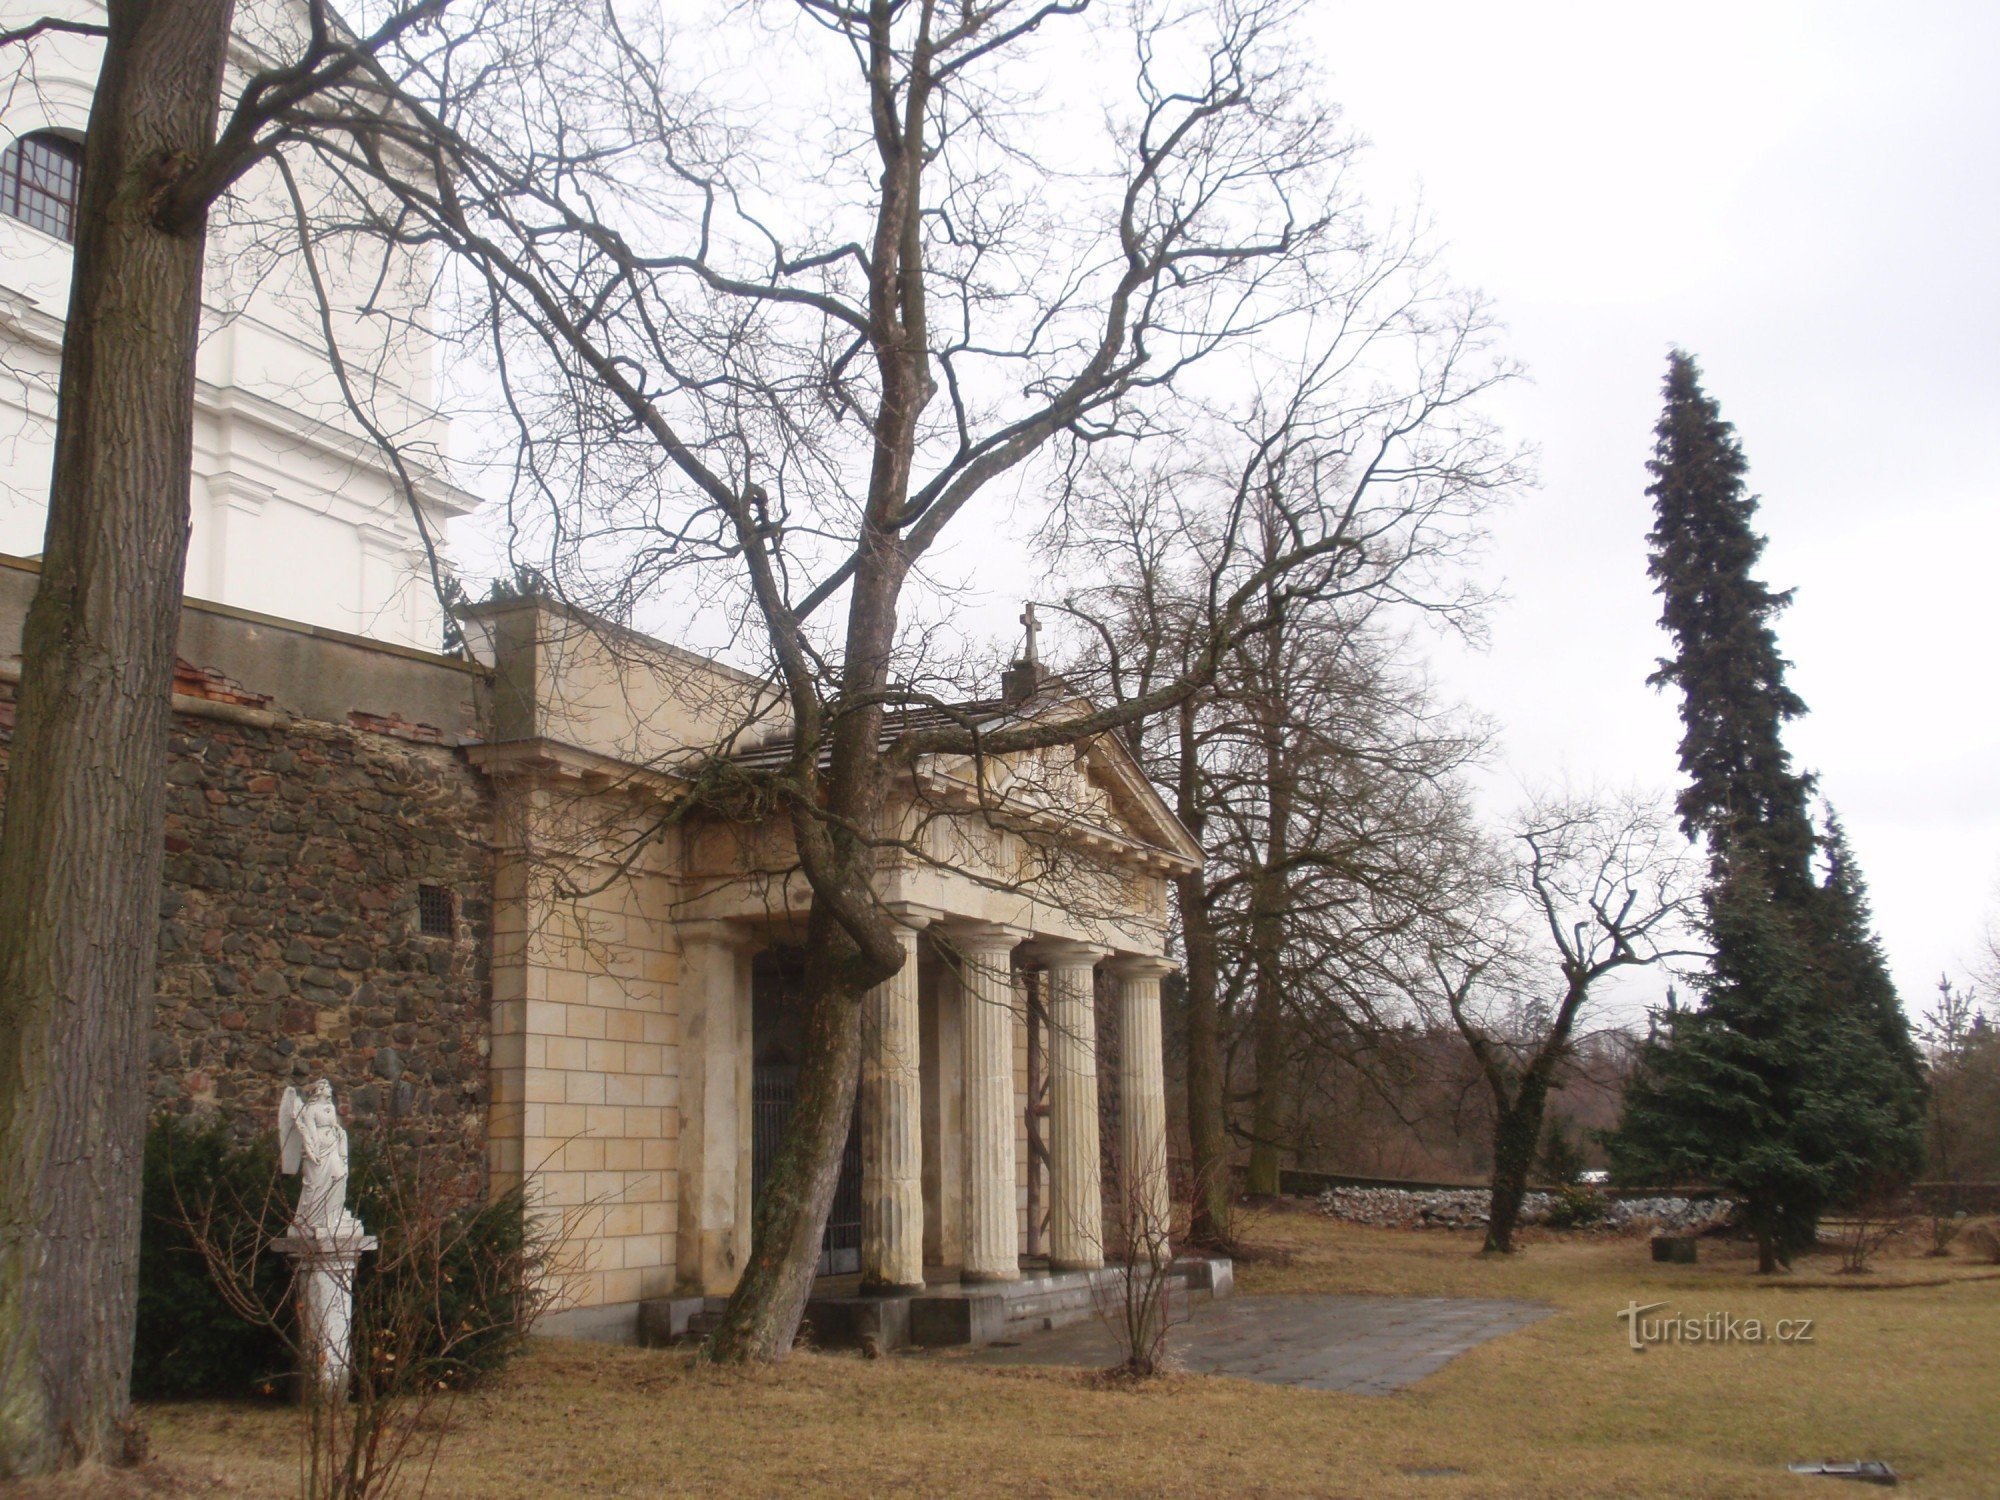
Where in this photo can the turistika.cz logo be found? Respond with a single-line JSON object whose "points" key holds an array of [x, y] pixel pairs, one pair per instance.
{"points": [[1709, 1328]]}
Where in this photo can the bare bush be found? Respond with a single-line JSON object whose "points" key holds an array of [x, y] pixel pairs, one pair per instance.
{"points": [[1138, 1305], [1983, 1241], [1871, 1226], [450, 1293]]}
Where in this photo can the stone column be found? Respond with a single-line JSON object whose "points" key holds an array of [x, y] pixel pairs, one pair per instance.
{"points": [[1146, 1208], [992, 1223], [714, 1147], [1076, 1191], [892, 1119]]}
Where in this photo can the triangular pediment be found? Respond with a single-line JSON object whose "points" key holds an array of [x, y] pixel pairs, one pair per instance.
{"points": [[1093, 793]]}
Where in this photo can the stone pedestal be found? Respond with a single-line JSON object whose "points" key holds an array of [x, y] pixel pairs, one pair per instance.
{"points": [[1076, 1192], [892, 1147], [991, 1242], [1146, 1209], [323, 1269]]}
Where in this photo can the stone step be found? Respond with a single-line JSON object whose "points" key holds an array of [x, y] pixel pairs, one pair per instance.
{"points": [[1085, 1298], [949, 1314]]}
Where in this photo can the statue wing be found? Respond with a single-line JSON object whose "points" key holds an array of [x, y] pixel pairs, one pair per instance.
{"points": [[290, 1139]]}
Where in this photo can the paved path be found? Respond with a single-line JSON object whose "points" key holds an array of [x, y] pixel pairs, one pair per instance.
{"points": [[1371, 1345]]}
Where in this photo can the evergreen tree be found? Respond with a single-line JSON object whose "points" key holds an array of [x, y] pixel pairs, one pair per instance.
{"points": [[1855, 979], [1766, 1089], [1795, 1083], [1742, 791]]}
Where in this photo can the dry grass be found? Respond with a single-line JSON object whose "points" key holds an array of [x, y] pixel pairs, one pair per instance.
{"points": [[1907, 1373]]}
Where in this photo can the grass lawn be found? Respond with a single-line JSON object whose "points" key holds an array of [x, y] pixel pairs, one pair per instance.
{"points": [[1900, 1371]]}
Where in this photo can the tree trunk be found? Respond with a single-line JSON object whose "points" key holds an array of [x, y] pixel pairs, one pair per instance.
{"points": [[1267, 937], [763, 1314], [80, 856], [1267, 1018], [790, 1214], [1208, 1128], [1517, 1128]]}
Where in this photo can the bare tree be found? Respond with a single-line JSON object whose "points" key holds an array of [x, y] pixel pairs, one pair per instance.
{"points": [[1314, 767], [1593, 888], [766, 361], [80, 857]]}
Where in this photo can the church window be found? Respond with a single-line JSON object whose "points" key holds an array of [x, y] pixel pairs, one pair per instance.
{"points": [[434, 911], [41, 177]]}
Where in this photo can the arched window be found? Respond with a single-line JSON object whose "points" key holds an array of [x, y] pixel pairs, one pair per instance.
{"points": [[40, 177]]}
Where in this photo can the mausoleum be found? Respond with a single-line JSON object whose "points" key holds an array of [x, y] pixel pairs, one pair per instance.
{"points": [[475, 894]]}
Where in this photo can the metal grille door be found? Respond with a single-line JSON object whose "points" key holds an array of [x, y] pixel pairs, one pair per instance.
{"points": [[772, 1091]]}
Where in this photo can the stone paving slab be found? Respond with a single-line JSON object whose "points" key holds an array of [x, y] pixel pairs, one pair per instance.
{"points": [[1369, 1345]]}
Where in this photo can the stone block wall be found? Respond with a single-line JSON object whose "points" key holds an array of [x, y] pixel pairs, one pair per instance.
{"points": [[586, 1051], [290, 940]]}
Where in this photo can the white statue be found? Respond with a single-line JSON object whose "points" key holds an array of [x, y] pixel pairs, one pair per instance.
{"points": [[326, 1242], [312, 1142]]}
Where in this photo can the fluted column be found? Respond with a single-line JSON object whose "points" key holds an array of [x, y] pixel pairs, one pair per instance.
{"points": [[992, 1225], [892, 1147], [1076, 1190], [1146, 1207]]}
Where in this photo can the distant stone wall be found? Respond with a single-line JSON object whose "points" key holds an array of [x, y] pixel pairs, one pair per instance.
{"points": [[291, 939]]}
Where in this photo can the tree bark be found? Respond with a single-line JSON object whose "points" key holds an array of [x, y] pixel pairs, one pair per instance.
{"points": [[81, 853], [1517, 1127]]}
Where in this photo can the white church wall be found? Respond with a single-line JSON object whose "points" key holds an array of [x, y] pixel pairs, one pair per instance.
{"points": [[295, 513]]}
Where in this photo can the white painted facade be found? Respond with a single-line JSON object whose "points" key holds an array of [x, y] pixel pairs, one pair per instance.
{"points": [[295, 512]]}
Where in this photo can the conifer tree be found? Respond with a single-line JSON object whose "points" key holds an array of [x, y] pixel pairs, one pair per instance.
{"points": [[1856, 978], [1742, 791], [1764, 1089], [1795, 1083]]}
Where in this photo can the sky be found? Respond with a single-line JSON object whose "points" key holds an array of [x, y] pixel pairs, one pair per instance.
{"points": [[1804, 197]]}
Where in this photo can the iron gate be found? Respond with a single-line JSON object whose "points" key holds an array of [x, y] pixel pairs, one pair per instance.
{"points": [[772, 1091]]}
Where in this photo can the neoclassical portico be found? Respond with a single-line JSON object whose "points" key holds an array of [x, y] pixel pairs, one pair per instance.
{"points": [[983, 1218], [642, 1045]]}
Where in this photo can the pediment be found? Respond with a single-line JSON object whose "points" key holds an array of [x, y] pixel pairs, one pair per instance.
{"points": [[1093, 793]]}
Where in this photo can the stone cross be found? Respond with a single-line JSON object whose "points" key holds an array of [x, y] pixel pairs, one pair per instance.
{"points": [[1033, 658]]}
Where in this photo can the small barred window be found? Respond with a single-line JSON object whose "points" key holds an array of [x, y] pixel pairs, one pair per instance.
{"points": [[41, 177], [435, 916]]}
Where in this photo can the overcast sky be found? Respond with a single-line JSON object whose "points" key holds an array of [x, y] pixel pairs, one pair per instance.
{"points": [[1804, 196]]}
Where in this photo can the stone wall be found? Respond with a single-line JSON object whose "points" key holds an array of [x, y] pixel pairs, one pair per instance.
{"points": [[291, 946]]}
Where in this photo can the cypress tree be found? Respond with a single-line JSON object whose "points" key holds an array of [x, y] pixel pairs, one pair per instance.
{"points": [[1795, 1083]]}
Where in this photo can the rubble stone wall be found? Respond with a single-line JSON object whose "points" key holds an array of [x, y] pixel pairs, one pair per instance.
{"points": [[291, 945]]}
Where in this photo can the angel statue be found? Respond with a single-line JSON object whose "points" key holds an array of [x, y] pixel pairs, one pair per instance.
{"points": [[312, 1142]]}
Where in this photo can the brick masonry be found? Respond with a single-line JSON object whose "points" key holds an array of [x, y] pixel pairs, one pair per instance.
{"points": [[290, 940]]}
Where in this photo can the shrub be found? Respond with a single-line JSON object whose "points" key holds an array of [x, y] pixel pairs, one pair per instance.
{"points": [[462, 1263], [189, 1341], [1577, 1207], [455, 1268]]}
